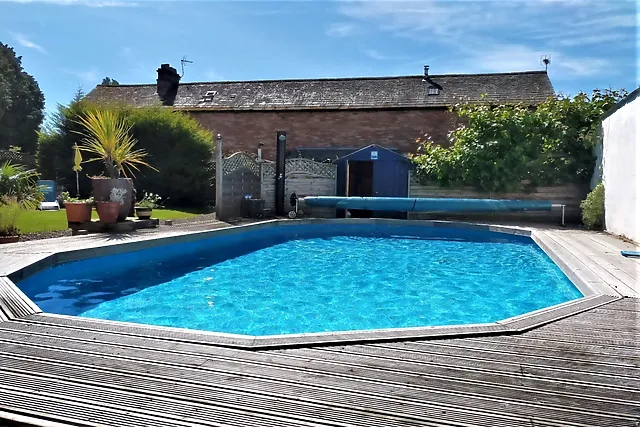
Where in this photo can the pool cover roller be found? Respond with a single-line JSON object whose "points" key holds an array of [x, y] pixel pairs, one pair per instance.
{"points": [[411, 204]]}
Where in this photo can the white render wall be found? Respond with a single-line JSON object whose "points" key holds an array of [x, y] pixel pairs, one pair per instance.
{"points": [[621, 170]]}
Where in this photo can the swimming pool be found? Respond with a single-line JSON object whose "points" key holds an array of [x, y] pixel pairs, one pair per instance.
{"points": [[311, 278]]}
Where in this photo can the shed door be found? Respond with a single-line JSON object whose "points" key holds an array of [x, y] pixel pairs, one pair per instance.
{"points": [[390, 179]]}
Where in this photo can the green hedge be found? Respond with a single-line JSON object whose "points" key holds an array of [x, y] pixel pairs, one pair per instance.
{"points": [[176, 144], [500, 147]]}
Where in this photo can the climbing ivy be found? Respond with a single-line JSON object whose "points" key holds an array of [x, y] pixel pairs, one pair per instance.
{"points": [[506, 147]]}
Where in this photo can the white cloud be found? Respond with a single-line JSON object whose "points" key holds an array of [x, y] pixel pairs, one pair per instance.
{"points": [[341, 29], [374, 54], [212, 76], [503, 58], [591, 40], [585, 66], [22, 40], [91, 76], [504, 36], [508, 58], [89, 3]]}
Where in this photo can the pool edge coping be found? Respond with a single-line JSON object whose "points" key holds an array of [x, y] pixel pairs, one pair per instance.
{"points": [[16, 306]]}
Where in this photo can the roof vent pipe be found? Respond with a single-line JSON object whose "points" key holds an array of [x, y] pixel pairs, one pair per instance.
{"points": [[426, 73]]}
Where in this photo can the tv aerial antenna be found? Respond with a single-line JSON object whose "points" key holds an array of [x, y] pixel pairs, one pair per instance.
{"points": [[184, 61], [545, 60]]}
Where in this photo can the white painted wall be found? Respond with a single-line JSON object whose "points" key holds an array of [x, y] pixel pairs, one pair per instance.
{"points": [[621, 170]]}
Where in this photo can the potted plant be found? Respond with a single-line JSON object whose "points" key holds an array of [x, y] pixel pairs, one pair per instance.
{"points": [[107, 136], [108, 210], [77, 209], [144, 208], [18, 190]]}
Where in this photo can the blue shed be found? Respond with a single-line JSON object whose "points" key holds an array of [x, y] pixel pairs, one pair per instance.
{"points": [[373, 171]]}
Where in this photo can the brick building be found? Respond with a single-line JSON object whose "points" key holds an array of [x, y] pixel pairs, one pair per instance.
{"points": [[329, 116]]}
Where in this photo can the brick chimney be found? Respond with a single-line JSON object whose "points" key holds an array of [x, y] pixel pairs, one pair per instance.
{"points": [[167, 83]]}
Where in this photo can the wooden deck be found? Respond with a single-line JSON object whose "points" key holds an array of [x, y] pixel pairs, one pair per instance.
{"points": [[582, 370]]}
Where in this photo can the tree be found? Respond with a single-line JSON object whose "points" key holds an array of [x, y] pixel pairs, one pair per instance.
{"points": [[498, 148], [109, 82], [21, 103]]}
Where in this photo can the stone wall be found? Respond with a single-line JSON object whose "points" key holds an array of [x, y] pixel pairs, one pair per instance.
{"points": [[569, 195], [391, 128]]}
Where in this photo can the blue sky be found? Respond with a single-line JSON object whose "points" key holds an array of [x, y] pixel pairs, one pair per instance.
{"points": [[71, 43]]}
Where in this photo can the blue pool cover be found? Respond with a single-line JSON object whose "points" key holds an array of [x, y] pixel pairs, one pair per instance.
{"points": [[412, 204]]}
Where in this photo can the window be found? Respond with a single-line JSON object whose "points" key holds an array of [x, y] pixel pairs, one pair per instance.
{"points": [[433, 90], [208, 97]]}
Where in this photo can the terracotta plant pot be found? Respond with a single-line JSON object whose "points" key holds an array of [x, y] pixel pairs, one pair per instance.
{"points": [[78, 212], [143, 212], [102, 193], [9, 239], [108, 211]]}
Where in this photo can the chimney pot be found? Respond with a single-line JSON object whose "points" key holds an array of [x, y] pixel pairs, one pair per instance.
{"points": [[167, 83]]}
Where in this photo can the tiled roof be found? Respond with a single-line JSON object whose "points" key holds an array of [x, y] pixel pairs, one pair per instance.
{"points": [[529, 87]]}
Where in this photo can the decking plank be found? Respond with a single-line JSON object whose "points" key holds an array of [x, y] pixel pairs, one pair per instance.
{"points": [[584, 278], [595, 264], [602, 247], [409, 392], [525, 349], [495, 359], [295, 399], [362, 377], [521, 389], [13, 303], [616, 265]]}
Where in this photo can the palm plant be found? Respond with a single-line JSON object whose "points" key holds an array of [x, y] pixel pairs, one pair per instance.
{"points": [[108, 137], [18, 190], [19, 185]]}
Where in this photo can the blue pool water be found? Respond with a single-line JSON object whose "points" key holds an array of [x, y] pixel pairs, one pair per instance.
{"points": [[316, 278]]}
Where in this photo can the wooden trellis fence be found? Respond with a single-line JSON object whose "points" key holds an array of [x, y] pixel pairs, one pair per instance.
{"points": [[244, 175]]}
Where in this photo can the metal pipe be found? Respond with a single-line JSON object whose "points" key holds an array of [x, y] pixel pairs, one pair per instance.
{"points": [[560, 206], [281, 145], [219, 170]]}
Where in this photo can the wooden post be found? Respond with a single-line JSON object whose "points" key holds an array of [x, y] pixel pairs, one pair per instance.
{"points": [[219, 171]]}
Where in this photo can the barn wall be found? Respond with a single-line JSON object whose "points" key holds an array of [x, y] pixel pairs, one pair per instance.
{"points": [[394, 128]]}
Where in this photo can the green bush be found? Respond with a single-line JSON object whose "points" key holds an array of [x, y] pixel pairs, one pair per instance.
{"points": [[176, 144], [496, 148], [593, 208]]}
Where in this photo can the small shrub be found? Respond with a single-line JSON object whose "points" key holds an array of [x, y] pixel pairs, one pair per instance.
{"points": [[593, 208], [149, 200], [67, 198]]}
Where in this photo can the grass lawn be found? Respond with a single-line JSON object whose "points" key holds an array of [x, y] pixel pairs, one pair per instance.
{"points": [[33, 221]]}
